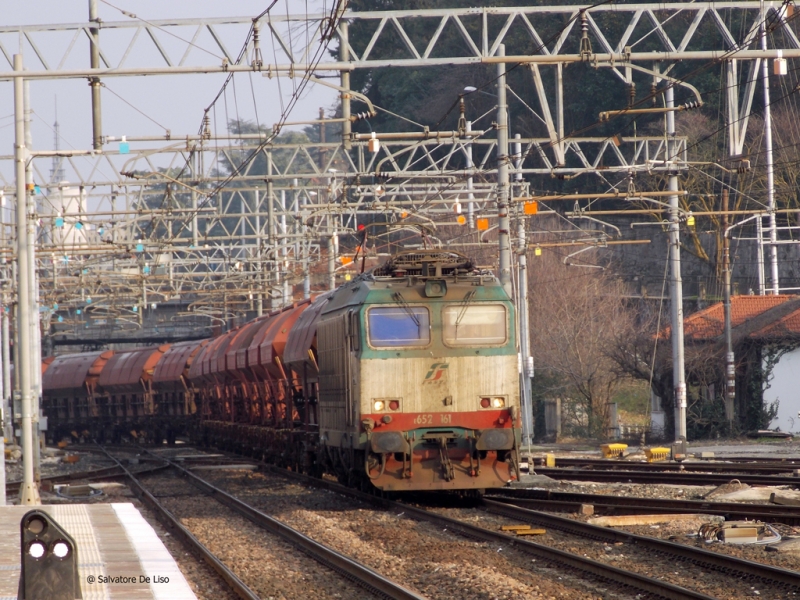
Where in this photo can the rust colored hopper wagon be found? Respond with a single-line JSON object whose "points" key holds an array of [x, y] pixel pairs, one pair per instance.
{"points": [[205, 385], [271, 366], [248, 404], [127, 395], [251, 390], [69, 394], [171, 390], [300, 355]]}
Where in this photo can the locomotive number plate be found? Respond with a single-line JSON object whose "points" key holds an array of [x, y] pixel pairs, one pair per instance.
{"points": [[427, 419]]}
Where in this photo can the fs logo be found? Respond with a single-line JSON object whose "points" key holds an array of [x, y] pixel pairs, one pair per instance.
{"points": [[437, 372]]}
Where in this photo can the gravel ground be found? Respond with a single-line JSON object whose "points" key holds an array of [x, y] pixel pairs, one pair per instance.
{"points": [[269, 566], [684, 532], [203, 580], [677, 492], [751, 552], [53, 465], [436, 563], [634, 558]]}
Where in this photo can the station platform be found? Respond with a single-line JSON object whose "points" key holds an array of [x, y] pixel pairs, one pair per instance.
{"points": [[112, 540]]}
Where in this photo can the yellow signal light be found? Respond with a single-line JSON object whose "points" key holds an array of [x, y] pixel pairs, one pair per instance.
{"points": [[537, 251], [461, 219]]}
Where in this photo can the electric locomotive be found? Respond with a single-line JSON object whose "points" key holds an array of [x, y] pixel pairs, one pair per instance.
{"points": [[405, 378], [418, 376]]}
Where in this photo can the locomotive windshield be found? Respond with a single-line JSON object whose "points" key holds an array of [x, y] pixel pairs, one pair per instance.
{"points": [[474, 324], [399, 326]]}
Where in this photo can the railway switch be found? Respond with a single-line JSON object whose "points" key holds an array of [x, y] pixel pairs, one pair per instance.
{"points": [[49, 560]]}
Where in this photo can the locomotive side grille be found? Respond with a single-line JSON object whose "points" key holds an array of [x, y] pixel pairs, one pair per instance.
{"points": [[334, 363]]}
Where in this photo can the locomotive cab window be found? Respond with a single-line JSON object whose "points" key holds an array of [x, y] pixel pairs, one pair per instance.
{"points": [[396, 326], [475, 325]]}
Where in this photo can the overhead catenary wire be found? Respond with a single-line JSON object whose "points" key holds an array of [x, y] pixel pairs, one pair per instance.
{"points": [[219, 176]]}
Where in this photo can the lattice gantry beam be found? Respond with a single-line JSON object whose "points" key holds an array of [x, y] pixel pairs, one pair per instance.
{"points": [[402, 38], [400, 159]]}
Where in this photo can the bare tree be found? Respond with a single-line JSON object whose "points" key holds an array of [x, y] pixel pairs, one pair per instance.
{"points": [[578, 313]]}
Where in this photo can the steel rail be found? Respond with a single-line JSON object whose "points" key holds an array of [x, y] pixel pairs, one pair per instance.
{"points": [[237, 585], [762, 459], [609, 464], [581, 563], [585, 565], [604, 504], [683, 478], [342, 564], [705, 558]]}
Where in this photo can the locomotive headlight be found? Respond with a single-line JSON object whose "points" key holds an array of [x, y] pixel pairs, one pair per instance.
{"points": [[379, 405], [493, 402]]}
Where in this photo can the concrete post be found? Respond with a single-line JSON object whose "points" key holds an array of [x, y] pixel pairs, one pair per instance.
{"points": [[730, 368], [28, 493], [33, 291], [344, 56], [7, 391], [94, 82], [675, 281], [503, 187], [332, 262], [470, 183], [773, 231]]}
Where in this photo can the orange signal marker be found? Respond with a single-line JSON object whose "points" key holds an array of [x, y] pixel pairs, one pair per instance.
{"points": [[531, 207]]}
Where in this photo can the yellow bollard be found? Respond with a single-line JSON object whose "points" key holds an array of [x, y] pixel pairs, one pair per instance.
{"points": [[613, 450], [657, 454]]}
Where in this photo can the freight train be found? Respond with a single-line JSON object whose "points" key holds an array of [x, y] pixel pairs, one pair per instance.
{"points": [[405, 378]]}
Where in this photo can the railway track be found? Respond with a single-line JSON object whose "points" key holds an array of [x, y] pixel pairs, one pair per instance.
{"points": [[636, 584], [359, 574], [735, 567], [762, 459], [636, 475], [775, 467], [743, 569], [104, 473], [114, 471], [604, 504]]}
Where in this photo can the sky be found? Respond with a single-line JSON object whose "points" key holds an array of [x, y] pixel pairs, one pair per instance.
{"points": [[137, 106]]}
